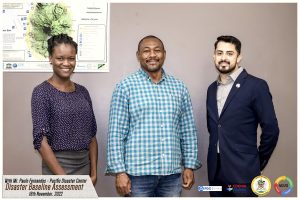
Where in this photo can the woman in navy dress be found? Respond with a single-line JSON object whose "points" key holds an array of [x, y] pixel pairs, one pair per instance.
{"points": [[64, 125]]}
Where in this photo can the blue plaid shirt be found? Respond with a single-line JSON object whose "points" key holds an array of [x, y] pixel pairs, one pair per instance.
{"points": [[151, 127]]}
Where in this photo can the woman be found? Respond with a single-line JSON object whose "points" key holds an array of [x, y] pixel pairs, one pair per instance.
{"points": [[64, 125]]}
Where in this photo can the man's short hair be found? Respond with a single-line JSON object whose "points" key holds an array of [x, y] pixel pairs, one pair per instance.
{"points": [[230, 39], [149, 37]]}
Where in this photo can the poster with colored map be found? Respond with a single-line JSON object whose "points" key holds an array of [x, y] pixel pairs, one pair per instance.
{"points": [[28, 25]]}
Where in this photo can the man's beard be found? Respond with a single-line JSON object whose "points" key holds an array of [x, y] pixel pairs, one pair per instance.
{"points": [[223, 69]]}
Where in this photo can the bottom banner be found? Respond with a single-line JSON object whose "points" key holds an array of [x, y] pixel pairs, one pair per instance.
{"points": [[76, 186]]}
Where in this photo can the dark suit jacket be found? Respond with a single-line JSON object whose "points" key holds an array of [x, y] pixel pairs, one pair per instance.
{"points": [[236, 129]]}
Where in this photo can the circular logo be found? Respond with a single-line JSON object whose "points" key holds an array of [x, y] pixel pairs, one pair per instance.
{"points": [[200, 188], [261, 185], [278, 185]]}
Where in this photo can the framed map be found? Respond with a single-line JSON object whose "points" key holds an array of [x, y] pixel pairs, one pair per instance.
{"points": [[27, 26]]}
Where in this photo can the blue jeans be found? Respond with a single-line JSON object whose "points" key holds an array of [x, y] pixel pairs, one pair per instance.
{"points": [[156, 186]]}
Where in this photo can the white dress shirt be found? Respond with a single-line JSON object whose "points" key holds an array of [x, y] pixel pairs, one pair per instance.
{"points": [[223, 91]]}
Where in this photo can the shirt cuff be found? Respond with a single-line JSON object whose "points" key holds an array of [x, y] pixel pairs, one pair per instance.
{"points": [[192, 164], [114, 170]]}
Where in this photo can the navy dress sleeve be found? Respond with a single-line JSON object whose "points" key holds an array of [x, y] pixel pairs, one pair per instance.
{"points": [[40, 116], [94, 124]]}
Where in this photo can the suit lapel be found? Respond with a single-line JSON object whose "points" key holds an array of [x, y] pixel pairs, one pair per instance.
{"points": [[214, 102], [237, 85]]}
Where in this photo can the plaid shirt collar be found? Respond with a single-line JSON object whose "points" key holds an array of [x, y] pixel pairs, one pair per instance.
{"points": [[146, 75]]}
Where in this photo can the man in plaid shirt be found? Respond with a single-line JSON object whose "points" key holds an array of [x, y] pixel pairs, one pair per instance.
{"points": [[152, 132]]}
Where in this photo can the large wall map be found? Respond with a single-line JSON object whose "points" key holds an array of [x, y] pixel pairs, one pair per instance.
{"points": [[27, 26]]}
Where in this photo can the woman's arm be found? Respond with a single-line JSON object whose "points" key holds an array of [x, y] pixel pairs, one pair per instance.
{"points": [[93, 147], [50, 159]]}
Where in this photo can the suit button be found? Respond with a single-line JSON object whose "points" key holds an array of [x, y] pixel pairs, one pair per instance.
{"points": [[219, 125]]}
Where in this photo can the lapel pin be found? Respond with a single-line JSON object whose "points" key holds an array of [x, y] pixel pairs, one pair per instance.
{"points": [[238, 85]]}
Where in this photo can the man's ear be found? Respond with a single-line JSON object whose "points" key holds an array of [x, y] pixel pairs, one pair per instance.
{"points": [[239, 59], [214, 57], [138, 55]]}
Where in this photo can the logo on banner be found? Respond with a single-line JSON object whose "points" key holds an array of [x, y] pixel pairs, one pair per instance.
{"points": [[202, 188], [283, 185], [20, 186], [237, 188], [261, 185]]}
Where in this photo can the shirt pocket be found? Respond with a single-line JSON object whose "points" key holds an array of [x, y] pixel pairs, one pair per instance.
{"points": [[172, 103]]}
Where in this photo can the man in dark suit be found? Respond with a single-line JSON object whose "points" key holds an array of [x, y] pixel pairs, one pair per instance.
{"points": [[236, 103]]}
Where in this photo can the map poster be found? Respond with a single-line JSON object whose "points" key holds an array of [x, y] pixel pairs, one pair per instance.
{"points": [[28, 25]]}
